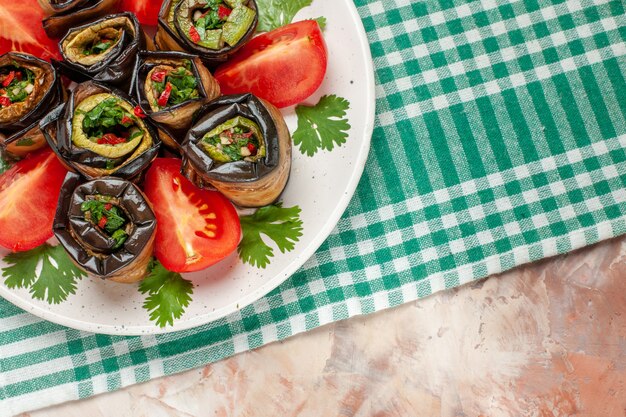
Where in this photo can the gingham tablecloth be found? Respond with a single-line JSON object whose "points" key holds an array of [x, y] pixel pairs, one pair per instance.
{"points": [[499, 140]]}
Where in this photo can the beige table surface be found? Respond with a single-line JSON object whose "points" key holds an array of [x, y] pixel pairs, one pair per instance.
{"points": [[547, 340]]}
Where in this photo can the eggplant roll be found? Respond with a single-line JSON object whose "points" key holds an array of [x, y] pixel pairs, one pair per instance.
{"points": [[106, 226], [29, 87], [65, 14], [241, 146], [213, 29], [104, 50], [98, 134], [171, 87]]}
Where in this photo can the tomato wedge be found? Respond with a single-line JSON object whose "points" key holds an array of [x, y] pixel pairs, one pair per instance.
{"points": [[29, 191], [196, 228], [284, 66]]}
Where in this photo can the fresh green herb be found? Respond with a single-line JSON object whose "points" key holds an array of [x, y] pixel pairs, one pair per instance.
{"points": [[24, 142], [276, 13], [115, 222], [322, 126], [321, 21], [280, 224], [98, 46], [4, 164], [56, 279], [106, 117], [21, 84], [210, 18], [168, 294], [184, 86]]}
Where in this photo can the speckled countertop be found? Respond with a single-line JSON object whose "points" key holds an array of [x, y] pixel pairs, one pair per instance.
{"points": [[548, 340]]}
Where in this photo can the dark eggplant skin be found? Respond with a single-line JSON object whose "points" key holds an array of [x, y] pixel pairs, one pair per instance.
{"points": [[118, 64], [21, 135], [57, 129], [73, 13], [247, 184], [50, 8], [173, 122], [90, 248], [168, 38]]}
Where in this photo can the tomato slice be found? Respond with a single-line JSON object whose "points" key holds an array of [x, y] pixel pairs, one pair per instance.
{"points": [[147, 11], [29, 192], [195, 228], [284, 66], [21, 30]]}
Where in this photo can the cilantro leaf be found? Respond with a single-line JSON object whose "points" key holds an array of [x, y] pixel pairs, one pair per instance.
{"points": [[4, 164], [168, 294], [321, 21], [55, 281], [276, 13], [278, 223], [323, 125]]}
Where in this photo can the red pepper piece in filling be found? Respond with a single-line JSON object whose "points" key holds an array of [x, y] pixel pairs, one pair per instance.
{"points": [[5, 101], [7, 80], [158, 76], [139, 112], [108, 206], [165, 95], [18, 75], [102, 222], [126, 121], [110, 139], [194, 35], [252, 148], [223, 12]]}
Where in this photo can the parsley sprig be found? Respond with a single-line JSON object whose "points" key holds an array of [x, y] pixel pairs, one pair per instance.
{"points": [[322, 126], [280, 224], [54, 282], [276, 13], [168, 294]]}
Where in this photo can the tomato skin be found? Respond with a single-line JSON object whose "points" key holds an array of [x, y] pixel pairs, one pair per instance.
{"points": [[284, 66], [147, 11], [196, 228], [21, 30], [29, 192]]}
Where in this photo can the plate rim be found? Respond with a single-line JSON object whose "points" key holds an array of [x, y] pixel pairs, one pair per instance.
{"points": [[268, 286]]}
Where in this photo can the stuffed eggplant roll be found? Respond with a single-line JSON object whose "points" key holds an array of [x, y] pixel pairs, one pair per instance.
{"points": [[29, 87], [65, 14], [171, 87], [104, 50], [213, 29], [97, 133], [242, 147], [106, 226]]}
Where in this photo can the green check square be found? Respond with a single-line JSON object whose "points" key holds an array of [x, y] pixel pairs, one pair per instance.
{"points": [[541, 30], [455, 26], [613, 212], [481, 19], [110, 365], [507, 11], [576, 47], [491, 44], [138, 357], [550, 55], [251, 323], [362, 289], [439, 59], [566, 22], [429, 34], [81, 373], [516, 37]]}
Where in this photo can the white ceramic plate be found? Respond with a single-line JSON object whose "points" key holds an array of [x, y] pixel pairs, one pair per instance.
{"points": [[321, 185]]}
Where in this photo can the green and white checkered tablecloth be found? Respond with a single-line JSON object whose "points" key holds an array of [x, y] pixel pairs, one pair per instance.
{"points": [[500, 139]]}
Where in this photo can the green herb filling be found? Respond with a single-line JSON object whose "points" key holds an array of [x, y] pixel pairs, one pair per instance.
{"points": [[108, 217]]}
